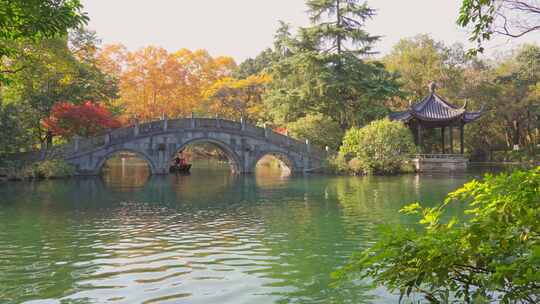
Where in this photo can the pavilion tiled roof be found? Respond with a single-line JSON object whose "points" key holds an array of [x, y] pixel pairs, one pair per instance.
{"points": [[434, 108]]}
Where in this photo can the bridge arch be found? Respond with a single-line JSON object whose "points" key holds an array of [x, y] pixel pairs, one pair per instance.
{"points": [[283, 157], [234, 159], [140, 154]]}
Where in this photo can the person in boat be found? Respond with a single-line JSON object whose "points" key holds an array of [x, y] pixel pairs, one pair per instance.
{"points": [[179, 160]]}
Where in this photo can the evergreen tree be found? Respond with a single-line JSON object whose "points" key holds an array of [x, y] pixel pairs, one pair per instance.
{"points": [[338, 26], [320, 70]]}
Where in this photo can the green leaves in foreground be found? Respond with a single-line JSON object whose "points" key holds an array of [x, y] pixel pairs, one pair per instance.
{"points": [[493, 256]]}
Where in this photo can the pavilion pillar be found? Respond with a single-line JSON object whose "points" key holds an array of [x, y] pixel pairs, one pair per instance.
{"points": [[461, 138], [451, 131], [419, 134], [442, 141]]}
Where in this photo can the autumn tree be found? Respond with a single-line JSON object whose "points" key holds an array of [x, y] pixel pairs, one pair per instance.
{"points": [[154, 82], [87, 119], [232, 98]]}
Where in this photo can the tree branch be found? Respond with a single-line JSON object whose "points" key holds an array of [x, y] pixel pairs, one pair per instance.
{"points": [[9, 71]]}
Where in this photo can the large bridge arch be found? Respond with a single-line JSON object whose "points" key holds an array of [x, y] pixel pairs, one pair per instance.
{"points": [[234, 159]]}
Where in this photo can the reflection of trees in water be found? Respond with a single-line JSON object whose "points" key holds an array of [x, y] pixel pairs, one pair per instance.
{"points": [[125, 171], [271, 168], [380, 198], [46, 240], [306, 234]]}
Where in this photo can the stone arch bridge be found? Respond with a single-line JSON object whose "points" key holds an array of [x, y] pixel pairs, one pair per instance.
{"points": [[157, 142]]}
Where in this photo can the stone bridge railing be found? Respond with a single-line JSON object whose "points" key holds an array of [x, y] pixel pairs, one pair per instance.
{"points": [[83, 145]]}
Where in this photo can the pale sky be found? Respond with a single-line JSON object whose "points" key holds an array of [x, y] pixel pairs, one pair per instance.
{"points": [[243, 28]]}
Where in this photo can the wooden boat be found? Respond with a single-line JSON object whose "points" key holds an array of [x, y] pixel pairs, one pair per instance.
{"points": [[180, 169]]}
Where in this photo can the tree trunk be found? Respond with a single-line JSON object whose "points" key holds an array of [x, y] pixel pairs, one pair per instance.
{"points": [[338, 14]]}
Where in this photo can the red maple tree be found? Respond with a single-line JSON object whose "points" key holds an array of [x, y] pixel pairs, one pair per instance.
{"points": [[87, 119]]}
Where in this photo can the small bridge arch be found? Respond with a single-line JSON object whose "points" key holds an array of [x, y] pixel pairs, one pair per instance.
{"points": [[158, 141], [281, 156]]}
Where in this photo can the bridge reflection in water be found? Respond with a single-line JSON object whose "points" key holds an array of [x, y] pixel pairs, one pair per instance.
{"points": [[126, 172]]}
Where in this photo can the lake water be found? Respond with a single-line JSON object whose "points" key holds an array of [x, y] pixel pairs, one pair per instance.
{"points": [[210, 237]]}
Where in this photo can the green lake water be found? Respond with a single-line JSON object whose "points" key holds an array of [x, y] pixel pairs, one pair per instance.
{"points": [[209, 237]]}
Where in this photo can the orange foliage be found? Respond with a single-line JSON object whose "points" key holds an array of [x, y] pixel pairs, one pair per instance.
{"points": [[86, 120], [234, 98], [154, 82]]}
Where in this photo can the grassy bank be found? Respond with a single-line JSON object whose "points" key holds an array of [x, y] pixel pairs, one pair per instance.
{"points": [[48, 169]]}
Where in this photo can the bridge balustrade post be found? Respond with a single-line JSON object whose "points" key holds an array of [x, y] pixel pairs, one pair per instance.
{"points": [[107, 138], [165, 122], [136, 129], [192, 120], [76, 143], [242, 124], [266, 131], [218, 124]]}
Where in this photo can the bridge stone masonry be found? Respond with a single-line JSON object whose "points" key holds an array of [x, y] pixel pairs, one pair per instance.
{"points": [[158, 142]]}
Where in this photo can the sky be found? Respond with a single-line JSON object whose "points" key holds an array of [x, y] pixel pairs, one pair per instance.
{"points": [[243, 28]]}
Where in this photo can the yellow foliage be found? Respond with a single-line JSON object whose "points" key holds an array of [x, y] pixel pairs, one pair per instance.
{"points": [[233, 98], [154, 82]]}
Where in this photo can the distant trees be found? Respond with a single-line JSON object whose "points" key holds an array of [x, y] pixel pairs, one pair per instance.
{"points": [[507, 89], [420, 60], [510, 91]]}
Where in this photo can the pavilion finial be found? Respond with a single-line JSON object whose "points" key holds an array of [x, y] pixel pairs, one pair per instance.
{"points": [[432, 87]]}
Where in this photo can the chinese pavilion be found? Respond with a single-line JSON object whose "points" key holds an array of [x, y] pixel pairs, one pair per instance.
{"points": [[435, 112]]}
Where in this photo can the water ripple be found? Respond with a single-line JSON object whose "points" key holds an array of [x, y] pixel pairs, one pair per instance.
{"points": [[249, 244]]}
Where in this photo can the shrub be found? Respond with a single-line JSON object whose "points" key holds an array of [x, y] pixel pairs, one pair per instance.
{"points": [[43, 169], [494, 256], [320, 130], [336, 164], [54, 169], [382, 147]]}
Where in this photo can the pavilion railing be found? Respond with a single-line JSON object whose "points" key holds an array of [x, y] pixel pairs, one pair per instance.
{"points": [[438, 156]]}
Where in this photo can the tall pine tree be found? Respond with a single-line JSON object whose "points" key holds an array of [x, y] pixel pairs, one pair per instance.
{"points": [[338, 25], [321, 70]]}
